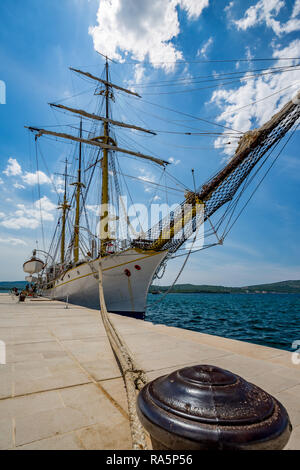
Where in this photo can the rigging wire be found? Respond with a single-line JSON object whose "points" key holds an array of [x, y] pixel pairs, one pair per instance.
{"points": [[229, 227], [259, 101], [51, 178], [179, 273], [261, 181], [208, 133], [233, 205], [30, 165], [132, 203], [245, 78], [199, 61], [212, 146], [150, 182], [39, 193], [62, 100], [190, 115], [215, 76], [198, 133]]}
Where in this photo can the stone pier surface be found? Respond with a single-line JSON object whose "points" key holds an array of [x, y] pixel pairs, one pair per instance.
{"points": [[61, 387]]}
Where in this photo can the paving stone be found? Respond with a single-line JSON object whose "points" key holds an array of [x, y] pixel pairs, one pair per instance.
{"points": [[65, 378], [48, 397], [293, 443], [49, 423], [106, 436], [116, 388], [30, 404], [275, 383], [62, 442], [103, 369], [6, 433]]}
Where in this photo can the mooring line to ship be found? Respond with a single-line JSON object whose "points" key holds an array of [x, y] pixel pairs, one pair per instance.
{"points": [[134, 377]]}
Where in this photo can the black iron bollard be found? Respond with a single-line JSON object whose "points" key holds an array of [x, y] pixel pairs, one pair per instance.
{"points": [[22, 297], [208, 408]]}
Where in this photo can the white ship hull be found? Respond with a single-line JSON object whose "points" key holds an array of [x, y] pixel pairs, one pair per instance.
{"points": [[124, 294]]}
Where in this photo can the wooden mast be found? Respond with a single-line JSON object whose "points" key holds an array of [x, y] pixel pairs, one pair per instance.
{"points": [[78, 185], [65, 206], [104, 235]]}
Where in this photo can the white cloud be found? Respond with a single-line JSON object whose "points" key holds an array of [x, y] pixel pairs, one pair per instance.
{"points": [[45, 204], [58, 183], [13, 168], [229, 7], [204, 49], [281, 86], [95, 208], [186, 76], [20, 222], [139, 71], [24, 217], [147, 176], [296, 9], [12, 241], [265, 11], [35, 178], [19, 186], [173, 161], [194, 8], [143, 29]]}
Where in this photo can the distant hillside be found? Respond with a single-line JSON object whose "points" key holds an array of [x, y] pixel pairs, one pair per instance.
{"points": [[6, 286], [291, 287], [284, 287]]}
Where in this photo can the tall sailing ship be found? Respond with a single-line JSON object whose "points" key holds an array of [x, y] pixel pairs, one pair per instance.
{"points": [[129, 264]]}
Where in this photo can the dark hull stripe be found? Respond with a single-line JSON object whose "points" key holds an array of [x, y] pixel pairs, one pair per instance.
{"points": [[137, 315]]}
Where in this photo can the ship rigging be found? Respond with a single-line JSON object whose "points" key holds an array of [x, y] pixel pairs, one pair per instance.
{"points": [[129, 262]]}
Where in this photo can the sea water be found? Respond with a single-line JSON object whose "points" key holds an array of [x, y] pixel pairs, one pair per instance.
{"points": [[268, 319]]}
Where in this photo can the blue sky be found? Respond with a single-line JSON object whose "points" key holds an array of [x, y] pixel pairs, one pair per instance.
{"points": [[153, 42]]}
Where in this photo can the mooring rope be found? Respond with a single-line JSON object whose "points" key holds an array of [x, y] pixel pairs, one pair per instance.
{"points": [[134, 377]]}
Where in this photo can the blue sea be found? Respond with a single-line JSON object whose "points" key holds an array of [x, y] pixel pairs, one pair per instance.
{"points": [[268, 319]]}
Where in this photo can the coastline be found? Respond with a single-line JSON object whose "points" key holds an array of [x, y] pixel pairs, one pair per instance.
{"points": [[233, 293]]}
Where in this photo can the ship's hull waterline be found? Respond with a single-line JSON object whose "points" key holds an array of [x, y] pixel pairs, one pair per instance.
{"points": [[126, 280]]}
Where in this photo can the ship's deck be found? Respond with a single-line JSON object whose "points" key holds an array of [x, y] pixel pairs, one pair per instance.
{"points": [[61, 387]]}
